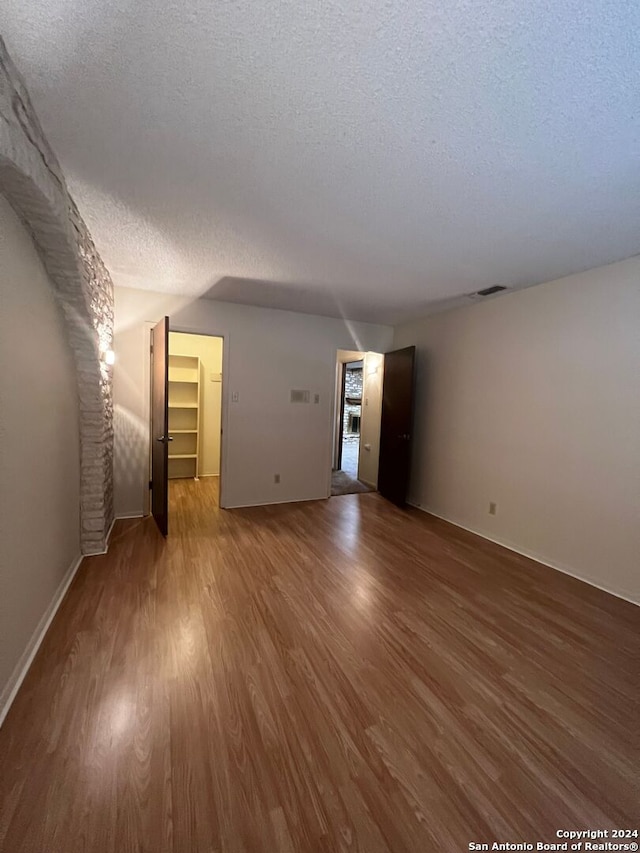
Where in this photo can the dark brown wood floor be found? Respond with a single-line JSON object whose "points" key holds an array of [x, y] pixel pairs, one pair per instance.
{"points": [[336, 675]]}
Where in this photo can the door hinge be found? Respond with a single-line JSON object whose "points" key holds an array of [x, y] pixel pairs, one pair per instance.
{"points": [[150, 484]]}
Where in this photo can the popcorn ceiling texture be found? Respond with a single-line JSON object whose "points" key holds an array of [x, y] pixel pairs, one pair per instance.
{"points": [[377, 156], [33, 183]]}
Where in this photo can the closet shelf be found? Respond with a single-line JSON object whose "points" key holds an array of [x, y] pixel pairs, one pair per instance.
{"points": [[184, 408]]}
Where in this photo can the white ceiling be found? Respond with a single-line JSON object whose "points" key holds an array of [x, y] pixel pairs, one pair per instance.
{"points": [[371, 158]]}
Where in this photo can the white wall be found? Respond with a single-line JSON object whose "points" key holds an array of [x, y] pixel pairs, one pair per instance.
{"points": [[39, 449], [267, 353], [370, 422], [209, 351], [532, 400]]}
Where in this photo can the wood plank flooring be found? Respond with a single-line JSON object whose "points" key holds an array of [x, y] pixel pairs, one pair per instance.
{"points": [[338, 675]]}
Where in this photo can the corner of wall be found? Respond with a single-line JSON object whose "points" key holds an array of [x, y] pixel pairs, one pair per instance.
{"points": [[21, 669], [33, 183]]}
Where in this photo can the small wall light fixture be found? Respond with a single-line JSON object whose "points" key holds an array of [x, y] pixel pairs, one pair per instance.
{"points": [[107, 355]]}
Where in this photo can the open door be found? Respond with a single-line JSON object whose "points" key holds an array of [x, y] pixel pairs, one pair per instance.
{"points": [[160, 437], [396, 424]]}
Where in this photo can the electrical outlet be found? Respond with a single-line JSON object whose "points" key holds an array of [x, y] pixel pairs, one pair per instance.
{"points": [[276, 478], [235, 397], [492, 508]]}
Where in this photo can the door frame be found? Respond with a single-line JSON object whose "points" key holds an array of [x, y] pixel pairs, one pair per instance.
{"points": [[343, 395], [342, 387], [224, 417], [335, 429]]}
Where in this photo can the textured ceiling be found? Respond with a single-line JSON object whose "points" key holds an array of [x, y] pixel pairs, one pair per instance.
{"points": [[372, 159]]}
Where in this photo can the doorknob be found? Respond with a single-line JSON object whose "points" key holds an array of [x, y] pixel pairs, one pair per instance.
{"points": [[165, 438]]}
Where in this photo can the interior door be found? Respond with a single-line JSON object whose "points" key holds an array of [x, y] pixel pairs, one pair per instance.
{"points": [[396, 424], [160, 424]]}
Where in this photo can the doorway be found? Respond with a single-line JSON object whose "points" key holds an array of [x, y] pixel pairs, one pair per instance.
{"points": [[186, 422], [351, 417], [357, 422]]}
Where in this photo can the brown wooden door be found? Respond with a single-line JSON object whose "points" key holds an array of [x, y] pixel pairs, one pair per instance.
{"points": [[396, 424], [160, 424]]}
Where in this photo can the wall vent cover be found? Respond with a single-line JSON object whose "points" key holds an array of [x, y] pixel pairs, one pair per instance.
{"points": [[300, 396]]}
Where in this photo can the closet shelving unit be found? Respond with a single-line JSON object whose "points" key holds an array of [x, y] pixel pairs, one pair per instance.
{"points": [[184, 415]]}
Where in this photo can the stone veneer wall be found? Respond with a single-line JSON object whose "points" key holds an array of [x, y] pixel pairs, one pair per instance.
{"points": [[32, 182], [352, 388]]}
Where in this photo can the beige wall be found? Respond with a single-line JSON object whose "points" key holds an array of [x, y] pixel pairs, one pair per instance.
{"points": [[267, 353], [532, 400], [209, 351], [39, 450], [370, 423]]}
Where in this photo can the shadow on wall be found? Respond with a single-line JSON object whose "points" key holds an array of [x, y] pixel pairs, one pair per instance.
{"points": [[131, 449]]}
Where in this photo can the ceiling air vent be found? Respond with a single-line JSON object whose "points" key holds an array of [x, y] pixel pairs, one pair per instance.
{"points": [[489, 291]]}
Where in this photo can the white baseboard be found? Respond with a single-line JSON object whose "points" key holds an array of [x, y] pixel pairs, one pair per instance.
{"points": [[10, 689], [529, 554], [277, 503], [110, 531], [104, 550], [369, 483]]}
